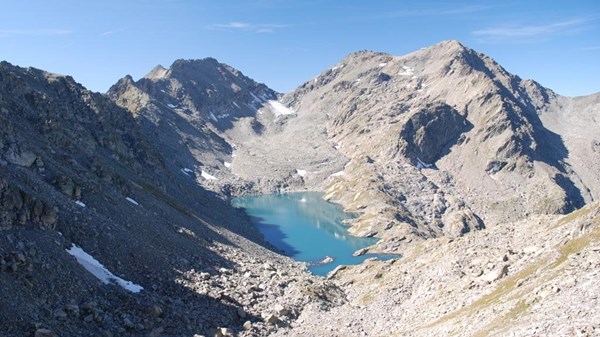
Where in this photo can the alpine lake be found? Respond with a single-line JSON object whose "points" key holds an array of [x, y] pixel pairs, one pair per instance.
{"points": [[307, 228]]}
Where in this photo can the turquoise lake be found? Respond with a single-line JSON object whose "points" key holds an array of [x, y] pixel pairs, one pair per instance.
{"points": [[306, 228]]}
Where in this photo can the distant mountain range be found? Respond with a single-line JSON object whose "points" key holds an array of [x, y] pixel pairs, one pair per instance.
{"points": [[437, 143]]}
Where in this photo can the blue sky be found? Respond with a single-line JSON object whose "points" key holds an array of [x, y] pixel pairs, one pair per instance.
{"points": [[285, 42]]}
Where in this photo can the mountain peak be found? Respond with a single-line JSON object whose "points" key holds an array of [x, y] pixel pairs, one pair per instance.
{"points": [[450, 44], [363, 55], [185, 62], [442, 50], [157, 72], [184, 68], [194, 65], [447, 49]]}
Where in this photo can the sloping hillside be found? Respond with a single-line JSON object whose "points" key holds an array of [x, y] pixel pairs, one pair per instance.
{"points": [[76, 171]]}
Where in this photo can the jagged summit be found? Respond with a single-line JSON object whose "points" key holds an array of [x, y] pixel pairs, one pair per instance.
{"points": [[157, 72], [198, 70], [32, 73], [203, 90], [451, 43], [183, 67], [191, 62], [450, 46]]}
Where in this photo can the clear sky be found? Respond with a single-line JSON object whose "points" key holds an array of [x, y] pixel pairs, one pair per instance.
{"points": [[285, 42]]}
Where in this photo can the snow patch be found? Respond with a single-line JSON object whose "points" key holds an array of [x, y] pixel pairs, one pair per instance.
{"points": [[280, 109], [172, 106], [213, 117], [264, 96], [97, 269], [337, 174], [80, 203], [382, 64], [421, 164], [407, 71], [301, 173], [186, 171], [227, 164], [256, 99], [207, 176], [236, 105], [132, 201]]}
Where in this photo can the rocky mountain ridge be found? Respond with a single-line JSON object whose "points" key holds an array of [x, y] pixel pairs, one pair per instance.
{"points": [[438, 142], [427, 148], [458, 118]]}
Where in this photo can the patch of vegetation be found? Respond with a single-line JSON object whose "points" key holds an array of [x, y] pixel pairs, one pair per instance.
{"points": [[367, 298], [577, 245], [574, 215], [509, 284], [504, 320], [504, 287]]}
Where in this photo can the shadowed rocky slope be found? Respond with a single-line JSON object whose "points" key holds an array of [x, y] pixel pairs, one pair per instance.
{"points": [[77, 169], [186, 109]]}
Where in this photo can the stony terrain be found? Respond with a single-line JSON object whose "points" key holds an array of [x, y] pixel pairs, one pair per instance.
{"points": [[460, 167], [77, 169]]}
